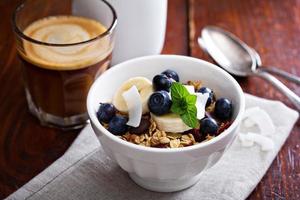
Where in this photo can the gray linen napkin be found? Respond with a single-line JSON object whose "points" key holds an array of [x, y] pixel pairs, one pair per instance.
{"points": [[85, 172]]}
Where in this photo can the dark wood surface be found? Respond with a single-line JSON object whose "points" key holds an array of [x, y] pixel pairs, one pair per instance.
{"points": [[272, 27]]}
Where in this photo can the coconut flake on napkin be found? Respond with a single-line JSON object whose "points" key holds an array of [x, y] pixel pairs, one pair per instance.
{"points": [[249, 139], [263, 137], [85, 172], [257, 116]]}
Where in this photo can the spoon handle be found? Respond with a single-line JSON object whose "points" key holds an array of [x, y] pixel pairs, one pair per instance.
{"points": [[283, 74], [294, 98]]}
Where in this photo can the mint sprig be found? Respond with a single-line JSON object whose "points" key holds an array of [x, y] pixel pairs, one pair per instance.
{"points": [[184, 104]]}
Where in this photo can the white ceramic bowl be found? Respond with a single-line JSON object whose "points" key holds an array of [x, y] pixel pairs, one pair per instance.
{"points": [[165, 170]]}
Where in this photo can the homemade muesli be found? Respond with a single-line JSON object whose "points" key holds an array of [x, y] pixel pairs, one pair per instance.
{"points": [[165, 113]]}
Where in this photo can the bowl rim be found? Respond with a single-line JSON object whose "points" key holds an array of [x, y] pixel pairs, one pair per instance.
{"points": [[97, 124]]}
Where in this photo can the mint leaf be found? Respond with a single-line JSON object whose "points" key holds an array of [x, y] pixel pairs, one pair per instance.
{"points": [[184, 104], [191, 100], [178, 108], [178, 91], [190, 118]]}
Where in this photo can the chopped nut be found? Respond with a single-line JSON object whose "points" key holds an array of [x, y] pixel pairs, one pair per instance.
{"points": [[185, 137], [192, 138], [173, 136], [152, 127], [197, 84], [105, 125], [175, 143], [154, 141], [135, 139], [126, 136], [142, 137], [163, 134], [164, 140], [211, 107], [186, 140], [148, 143], [209, 137], [156, 134], [159, 134], [224, 126]]}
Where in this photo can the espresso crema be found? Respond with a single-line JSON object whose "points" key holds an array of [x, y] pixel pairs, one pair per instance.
{"points": [[66, 30]]}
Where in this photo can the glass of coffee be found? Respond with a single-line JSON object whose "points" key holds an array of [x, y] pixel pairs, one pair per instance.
{"points": [[63, 46]]}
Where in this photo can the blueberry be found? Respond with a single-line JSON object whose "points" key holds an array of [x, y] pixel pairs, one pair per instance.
{"points": [[171, 74], [106, 112], [211, 96], [161, 82], [117, 125], [208, 126], [223, 109], [159, 103], [142, 128]]}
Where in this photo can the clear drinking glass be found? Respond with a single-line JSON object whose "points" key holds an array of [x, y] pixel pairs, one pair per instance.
{"points": [[63, 46]]}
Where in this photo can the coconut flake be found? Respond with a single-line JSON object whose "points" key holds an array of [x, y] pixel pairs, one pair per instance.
{"points": [[134, 103], [248, 139], [190, 89], [200, 104], [245, 141], [261, 118], [249, 123], [257, 116]]}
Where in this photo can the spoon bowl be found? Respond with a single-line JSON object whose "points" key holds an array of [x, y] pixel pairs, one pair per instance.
{"points": [[239, 59], [228, 51]]}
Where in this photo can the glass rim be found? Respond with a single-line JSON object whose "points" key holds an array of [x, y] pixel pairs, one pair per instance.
{"points": [[22, 35]]}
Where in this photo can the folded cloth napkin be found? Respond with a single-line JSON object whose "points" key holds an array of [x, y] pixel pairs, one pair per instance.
{"points": [[85, 172]]}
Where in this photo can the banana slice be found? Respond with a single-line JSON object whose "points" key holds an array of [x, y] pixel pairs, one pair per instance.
{"points": [[144, 87], [170, 123]]}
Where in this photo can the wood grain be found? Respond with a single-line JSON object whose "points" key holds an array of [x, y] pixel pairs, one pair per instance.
{"points": [[272, 28], [176, 40]]}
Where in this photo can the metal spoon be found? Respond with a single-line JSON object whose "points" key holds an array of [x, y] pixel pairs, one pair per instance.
{"points": [[272, 70], [237, 58]]}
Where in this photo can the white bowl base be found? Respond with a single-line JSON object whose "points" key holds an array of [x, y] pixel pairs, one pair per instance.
{"points": [[165, 185]]}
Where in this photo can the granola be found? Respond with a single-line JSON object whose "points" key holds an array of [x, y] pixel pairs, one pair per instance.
{"points": [[157, 138], [164, 113]]}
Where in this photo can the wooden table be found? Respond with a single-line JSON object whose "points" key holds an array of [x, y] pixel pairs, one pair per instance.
{"points": [[271, 27]]}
